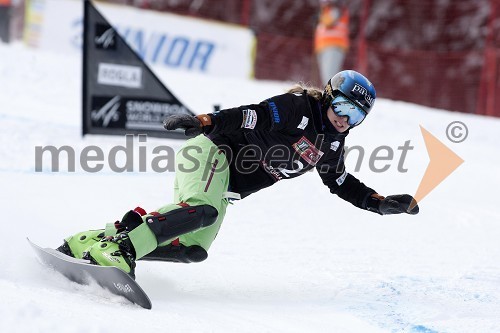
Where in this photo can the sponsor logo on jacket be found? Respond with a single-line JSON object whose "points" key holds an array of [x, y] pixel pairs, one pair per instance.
{"points": [[341, 179], [335, 145], [303, 123], [272, 171], [249, 119], [307, 151], [274, 110]]}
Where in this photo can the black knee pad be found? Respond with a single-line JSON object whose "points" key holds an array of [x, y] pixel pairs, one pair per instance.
{"points": [[180, 221], [177, 253]]}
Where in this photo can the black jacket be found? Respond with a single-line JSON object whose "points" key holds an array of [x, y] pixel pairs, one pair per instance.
{"points": [[281, 138]]}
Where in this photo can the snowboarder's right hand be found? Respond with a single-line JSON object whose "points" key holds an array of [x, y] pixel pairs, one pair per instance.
{"points": [[193, 125]]}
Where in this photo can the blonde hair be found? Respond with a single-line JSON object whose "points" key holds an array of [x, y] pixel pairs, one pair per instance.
{"points": [[312, 91]]}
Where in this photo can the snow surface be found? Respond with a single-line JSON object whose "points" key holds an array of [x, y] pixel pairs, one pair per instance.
{"points": [[291, 258]]}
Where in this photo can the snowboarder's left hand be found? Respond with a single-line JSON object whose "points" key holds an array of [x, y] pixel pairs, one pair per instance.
{"points": [[397, 204], [392, 204]]}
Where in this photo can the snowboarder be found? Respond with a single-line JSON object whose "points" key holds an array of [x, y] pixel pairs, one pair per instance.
{"points": [[237, 152]]}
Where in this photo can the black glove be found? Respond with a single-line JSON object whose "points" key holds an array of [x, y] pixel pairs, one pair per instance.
{"points": [[192, 125], [392, 204]]}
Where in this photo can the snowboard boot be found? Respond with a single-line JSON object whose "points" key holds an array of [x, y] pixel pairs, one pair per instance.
{"points": [[115, 251], [76, 245]]}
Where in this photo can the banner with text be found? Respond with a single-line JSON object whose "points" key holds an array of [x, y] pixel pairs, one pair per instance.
{"points": [[121, 95], [160, 39]]}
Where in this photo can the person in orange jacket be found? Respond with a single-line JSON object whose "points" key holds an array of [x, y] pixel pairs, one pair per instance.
{"points": [[331, 39]]}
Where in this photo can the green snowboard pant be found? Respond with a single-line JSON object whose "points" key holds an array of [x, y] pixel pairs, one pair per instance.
{"points": [[201, 178]]}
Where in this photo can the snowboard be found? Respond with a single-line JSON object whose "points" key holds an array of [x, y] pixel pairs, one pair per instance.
{"points": [[83, 272]]}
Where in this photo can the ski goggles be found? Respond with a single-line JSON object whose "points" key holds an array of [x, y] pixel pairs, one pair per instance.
{"points": [[343, 107]]}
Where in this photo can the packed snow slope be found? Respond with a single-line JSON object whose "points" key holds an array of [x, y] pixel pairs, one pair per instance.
{"points": [[291, 258]]}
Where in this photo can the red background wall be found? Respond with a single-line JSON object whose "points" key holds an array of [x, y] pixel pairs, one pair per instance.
{"points": [[443, 54]]}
